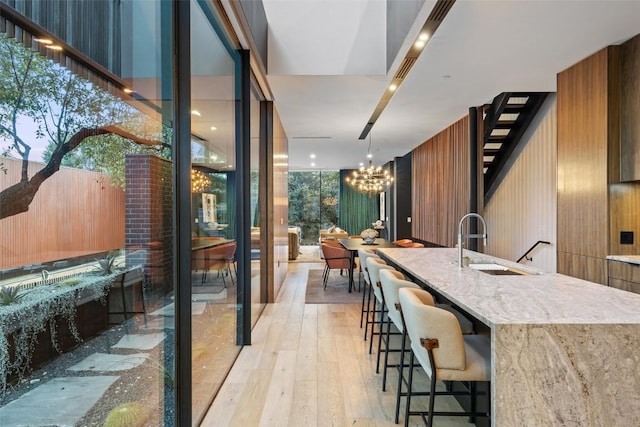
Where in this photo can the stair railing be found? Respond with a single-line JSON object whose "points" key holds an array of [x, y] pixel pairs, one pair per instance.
{"points": [[531, 249]]}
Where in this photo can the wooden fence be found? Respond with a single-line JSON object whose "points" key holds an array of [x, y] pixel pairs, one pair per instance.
{"points": [[75, 213]]}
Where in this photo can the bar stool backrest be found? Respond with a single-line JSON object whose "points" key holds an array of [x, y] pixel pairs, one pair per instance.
{"points": [[392, 281], [423, 320], [374, 265], [363, 254]]}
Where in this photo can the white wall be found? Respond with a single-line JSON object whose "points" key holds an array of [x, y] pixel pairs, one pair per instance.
{"points": [[523, 209]]}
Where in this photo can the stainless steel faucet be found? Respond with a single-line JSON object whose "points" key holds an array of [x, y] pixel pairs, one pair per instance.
{"points": [[470, 236]]}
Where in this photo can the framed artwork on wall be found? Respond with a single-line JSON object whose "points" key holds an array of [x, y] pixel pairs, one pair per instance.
{"points": [[208, 208]]}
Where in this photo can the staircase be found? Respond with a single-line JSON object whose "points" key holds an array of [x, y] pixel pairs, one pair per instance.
{"points": [[505, 121]]}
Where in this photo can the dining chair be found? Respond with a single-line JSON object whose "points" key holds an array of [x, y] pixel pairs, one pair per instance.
{"points": [[443, 352], [230, 256], [217, 259], [335, 258]]}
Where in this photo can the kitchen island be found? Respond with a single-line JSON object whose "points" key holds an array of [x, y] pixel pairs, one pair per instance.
{"points": [[564, 351]]}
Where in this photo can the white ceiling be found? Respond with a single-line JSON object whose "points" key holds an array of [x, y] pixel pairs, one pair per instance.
{"points": [[325, 75]]}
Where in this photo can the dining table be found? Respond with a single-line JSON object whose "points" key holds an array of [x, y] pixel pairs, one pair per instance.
{"points": [[354, 244]]}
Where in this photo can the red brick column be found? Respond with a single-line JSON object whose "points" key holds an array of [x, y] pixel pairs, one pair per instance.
{"points": [[149, 220]]}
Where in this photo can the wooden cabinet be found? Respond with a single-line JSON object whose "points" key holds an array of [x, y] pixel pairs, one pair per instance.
{"points": [[625, 276], [587, 133]]}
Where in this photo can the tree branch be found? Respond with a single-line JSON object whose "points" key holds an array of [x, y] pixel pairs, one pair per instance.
{"points": [[17, 198]]}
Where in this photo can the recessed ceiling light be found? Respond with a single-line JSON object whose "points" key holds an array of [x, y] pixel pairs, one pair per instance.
{"points": [[127, 90], [196, 113], [313, 165], [369, 156], [214, 128], [312, 156], [393, 87], [43, 41], [419, 44], [423, 37], [53, 47], [361, 164]]}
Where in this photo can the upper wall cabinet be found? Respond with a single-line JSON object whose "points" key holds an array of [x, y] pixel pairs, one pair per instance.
{"points": [[630, 110]]}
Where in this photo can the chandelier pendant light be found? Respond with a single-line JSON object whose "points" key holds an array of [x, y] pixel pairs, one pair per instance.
{"points": [[371, 179], [200, 182]]}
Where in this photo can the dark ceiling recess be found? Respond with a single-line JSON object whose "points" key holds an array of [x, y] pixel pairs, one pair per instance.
{"points": [[505, 122], [437, 15]]}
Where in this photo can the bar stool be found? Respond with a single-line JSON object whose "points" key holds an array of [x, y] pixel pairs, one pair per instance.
{"points": [[363, 254], [374, 265], [442, 351], [392, 282]]}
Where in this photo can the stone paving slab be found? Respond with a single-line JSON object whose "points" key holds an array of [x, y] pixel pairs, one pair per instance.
{"points": [[140, 341], [60, 402], [210, 297], [159, 323], [105, 362], [197, 308]]}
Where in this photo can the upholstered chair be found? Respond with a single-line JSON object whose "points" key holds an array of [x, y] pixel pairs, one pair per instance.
{"points": [[403, 242], [218, 259], [363, 254], [443, 352], [391, 282], [378, 311], [335, 258]]}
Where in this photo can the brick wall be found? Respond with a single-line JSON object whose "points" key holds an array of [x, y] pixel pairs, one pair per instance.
{"points": [[148, 219]]}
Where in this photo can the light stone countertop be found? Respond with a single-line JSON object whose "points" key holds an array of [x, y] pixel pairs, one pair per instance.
{"points": [[564, 351], [540, 298], [631, 259]]}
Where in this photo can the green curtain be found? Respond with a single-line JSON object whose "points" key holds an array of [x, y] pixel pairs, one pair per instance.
{"points": [[357, 210]]}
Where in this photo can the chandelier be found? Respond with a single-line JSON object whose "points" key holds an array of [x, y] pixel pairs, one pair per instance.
{"points": [[330, 201], [199, 181], [371, 179]]}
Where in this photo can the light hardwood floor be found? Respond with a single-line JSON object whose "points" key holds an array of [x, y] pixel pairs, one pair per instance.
{"points": [[307, 366]]}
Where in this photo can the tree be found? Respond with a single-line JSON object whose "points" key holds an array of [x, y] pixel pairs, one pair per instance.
{"points": [[313, 201], [64, 110]]}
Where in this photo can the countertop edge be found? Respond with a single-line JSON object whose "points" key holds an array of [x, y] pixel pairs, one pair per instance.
{"points": [[629, 259]]}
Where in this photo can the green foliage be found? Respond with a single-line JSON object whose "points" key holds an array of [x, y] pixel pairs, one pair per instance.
{"points": [[312, 197], [107, 265], [35, 312], [43, 102], [10, 295], [130, 414], [72, 281]]}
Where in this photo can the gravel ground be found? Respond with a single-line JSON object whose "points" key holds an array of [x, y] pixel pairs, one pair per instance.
{"points": [[148, 384]]}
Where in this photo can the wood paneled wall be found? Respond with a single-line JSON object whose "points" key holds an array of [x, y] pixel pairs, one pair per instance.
{"points": [[523, 209], [624, 200], [587, 108], [280, 203], [74, 213], [630, 110], [440, 176]]}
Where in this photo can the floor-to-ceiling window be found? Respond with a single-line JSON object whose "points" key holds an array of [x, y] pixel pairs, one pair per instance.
{"points": [[214, 284], [88, 211], [313, 202], [86, 319]]}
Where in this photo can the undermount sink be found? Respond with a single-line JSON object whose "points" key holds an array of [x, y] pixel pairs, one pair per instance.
{"points": [[498, 270]]}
